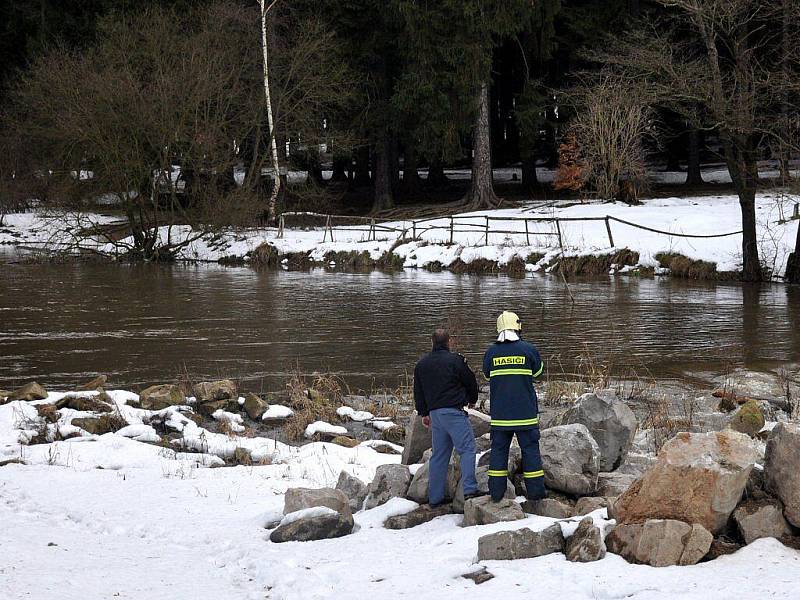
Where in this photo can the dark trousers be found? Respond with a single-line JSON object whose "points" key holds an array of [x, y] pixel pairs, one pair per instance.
{"points": [[531, 462]]}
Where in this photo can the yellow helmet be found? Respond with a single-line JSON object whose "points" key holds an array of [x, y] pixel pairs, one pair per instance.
{"points": [[508, 320]]}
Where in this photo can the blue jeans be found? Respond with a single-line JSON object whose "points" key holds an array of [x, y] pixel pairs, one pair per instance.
{"points": [[450, 427]]}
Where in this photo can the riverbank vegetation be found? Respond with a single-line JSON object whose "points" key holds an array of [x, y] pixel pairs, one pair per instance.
{"points": [[158, 111]]}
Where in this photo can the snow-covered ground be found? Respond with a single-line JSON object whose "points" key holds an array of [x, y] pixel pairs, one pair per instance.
{"points": [[110, 517], [702, 215]]}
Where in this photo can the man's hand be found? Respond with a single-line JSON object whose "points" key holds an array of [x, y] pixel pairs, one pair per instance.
{"points": [[427, 422]]}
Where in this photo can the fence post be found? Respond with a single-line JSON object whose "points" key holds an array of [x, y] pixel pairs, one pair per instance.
{"points": [[413, 230], [372, 229], [527, 234], [451, 230], [486, 242], [281, 224], [608, 229], [560, 241], [796, 211]]}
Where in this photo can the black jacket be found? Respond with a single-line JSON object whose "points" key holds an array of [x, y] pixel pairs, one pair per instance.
{"points": [[442, 379]]}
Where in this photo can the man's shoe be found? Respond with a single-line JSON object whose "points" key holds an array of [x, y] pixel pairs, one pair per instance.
{"points": [[442, 503], [535, 497]]}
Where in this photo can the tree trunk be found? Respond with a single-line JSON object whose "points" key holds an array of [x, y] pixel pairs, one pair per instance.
{"points": [[276, 188], [382, 173], [793, 266], [740, 154], [314, 167], [785, 142], [394, 162], [529, 177], [361, 177], [481, 191], [411, 181], [340, 164], [436, 176], [694, 176]]}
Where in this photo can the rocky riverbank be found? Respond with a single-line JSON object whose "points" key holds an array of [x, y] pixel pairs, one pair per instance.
{"points": [[348, 474]]}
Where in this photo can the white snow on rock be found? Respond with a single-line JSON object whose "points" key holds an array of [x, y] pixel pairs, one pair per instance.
{"points": [[323, 427], [375, 517], [307, 513], [140, 433], [354, 415], [277, 411], [234, 421], [383, 425]]}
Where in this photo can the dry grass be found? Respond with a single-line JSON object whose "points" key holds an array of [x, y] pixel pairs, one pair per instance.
{"points": [[599, 264], [682, 266], [663, 422], [350, 259], [264, 257], [313, 398]]}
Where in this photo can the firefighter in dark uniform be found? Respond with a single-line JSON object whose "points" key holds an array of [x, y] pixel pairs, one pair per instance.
{"points": [[511, 365]]}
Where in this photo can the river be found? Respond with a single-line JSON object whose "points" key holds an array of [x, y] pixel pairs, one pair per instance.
{"points": [[61, 324]]}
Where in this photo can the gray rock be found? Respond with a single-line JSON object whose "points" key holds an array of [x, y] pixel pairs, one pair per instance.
{"points": [[159, 397], [483, 443], [548, 507], [609, 421], [418, 490], [589, 504], [781, 472], [761, 518], [480, 422], [586, 544], [480, 576], [391, 481], [660, 542], [482, 477], [514, 459], [254, 406], [418, 439], [522, 543], [418, 516], [313, 528], [213, 391], [482, 511], [28, 392], [101, 403], [355, 490], [571, 459], [302, 498], [614, 484]]}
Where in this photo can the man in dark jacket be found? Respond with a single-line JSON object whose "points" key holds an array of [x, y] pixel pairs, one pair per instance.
{"points": [[443, 386], [511, 365]]}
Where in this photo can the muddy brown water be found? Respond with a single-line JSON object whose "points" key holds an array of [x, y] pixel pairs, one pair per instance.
{"points": [[144, 324]]}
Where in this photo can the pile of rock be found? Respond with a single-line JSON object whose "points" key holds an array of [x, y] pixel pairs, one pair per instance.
{"points": [[313, 514]]}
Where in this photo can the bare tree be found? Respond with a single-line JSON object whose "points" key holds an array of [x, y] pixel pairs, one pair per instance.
{"points": [[609, 129], [721, 63]]}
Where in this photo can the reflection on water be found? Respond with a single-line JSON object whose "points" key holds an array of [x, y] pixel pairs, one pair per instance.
{"points": [[142, 324]]}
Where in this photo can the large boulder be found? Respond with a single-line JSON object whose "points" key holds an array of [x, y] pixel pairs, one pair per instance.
{"points": [[748, 419], [571, 459], [699, 478], [610, 422], [298, 499], [28, 392], [614, 484], [213, 391], [660, 542], [418, 490], [159, 397], [761, 518], [418, 439], [355, 490], [781, 472], [418, 516], [318, 523], [586, 544], [482, 511], [482, 477], [522, 543], [391, 481]]}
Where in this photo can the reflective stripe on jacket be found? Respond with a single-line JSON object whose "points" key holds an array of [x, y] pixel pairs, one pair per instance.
{"points": [[510, 368]]}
